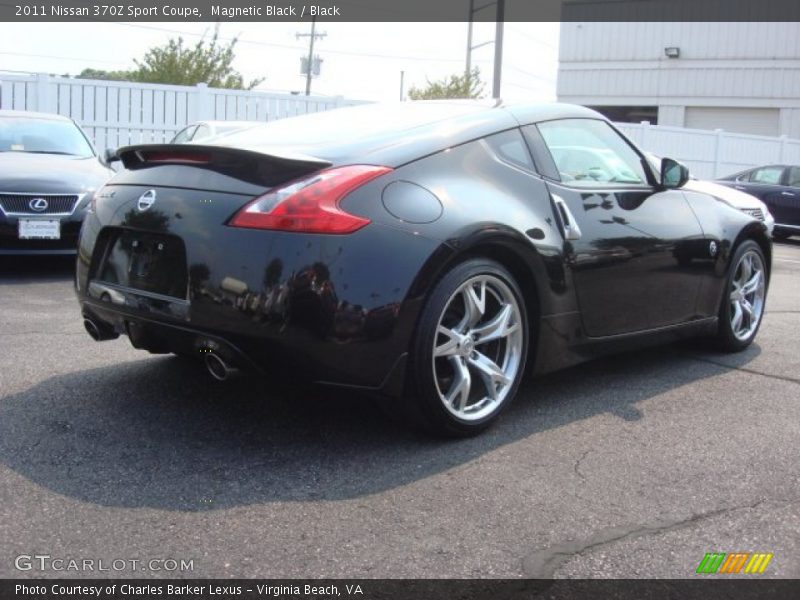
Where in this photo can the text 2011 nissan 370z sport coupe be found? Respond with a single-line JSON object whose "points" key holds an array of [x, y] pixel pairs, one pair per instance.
{"points": [[430, 252], [48, 173]]}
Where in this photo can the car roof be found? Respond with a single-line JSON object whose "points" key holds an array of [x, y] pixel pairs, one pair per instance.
{"points": [[397, 132], [228, 123], [29, 114]]}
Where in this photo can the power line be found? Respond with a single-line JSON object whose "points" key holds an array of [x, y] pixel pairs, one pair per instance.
{"points": [[530, 37], [359, 54], [529, 74]]}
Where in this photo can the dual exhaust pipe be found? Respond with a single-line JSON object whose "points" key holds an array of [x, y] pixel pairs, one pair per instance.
{"points": [[219, 368], [99, 332], [216, 365]]}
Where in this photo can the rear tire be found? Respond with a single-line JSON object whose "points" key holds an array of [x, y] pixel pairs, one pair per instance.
{"points": [[743, 302], [469, 353]]}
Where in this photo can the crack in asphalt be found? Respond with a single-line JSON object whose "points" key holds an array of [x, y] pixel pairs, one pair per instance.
{"points": [[745, 370], [577, 466], [543, 564]]}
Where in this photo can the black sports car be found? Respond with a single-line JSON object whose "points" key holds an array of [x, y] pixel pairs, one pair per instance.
{"points": [[48, 173], [428, 252], [778, 186]]}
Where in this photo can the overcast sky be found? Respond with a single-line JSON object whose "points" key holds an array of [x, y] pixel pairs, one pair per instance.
{"points": [[361, 60]]}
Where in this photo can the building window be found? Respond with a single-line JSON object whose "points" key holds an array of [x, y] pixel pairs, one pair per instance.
{"points": [[629, 114]]}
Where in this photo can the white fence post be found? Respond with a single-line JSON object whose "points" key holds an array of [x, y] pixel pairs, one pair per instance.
{"points": [[41, 97], [718, 133], [645, 130], [202, 103], [782, 152]]}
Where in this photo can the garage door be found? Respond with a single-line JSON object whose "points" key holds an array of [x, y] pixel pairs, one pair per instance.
{"points": [[758, 121]]}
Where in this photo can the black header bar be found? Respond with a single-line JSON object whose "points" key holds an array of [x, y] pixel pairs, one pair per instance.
{"points": [[396, 10]]}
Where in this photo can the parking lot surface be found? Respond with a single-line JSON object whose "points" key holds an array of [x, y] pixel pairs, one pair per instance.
{"points": [[631, 466]]}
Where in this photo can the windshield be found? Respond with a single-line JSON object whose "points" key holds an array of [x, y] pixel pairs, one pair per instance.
{"points": [[42, 136]]}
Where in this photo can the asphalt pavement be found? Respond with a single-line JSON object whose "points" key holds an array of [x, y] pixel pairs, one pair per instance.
{"points": [[635, 465]]}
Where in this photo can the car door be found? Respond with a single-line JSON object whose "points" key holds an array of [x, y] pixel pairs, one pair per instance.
{"points": [[631, 246], [784, 203], [764, 183]]}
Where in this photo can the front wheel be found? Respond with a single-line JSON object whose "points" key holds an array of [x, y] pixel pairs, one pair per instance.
{"points": [[469, 354], [745, 294]]}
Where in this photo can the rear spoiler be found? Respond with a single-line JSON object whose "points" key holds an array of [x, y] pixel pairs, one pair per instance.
{"points": [[267, 167]]}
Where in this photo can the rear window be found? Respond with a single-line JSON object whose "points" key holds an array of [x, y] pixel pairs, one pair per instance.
{"points": [[355, 122]]}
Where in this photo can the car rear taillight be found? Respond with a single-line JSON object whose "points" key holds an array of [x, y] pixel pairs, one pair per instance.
{"points": [[174, 157], [310, 205]]}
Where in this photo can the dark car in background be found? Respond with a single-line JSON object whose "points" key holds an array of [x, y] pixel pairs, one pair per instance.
{"points": [[431, 253], [48, 174], [778, 186]]}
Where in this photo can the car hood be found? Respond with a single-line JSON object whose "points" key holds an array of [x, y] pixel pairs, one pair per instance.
{"points": [[50, 173], [733, 197]]}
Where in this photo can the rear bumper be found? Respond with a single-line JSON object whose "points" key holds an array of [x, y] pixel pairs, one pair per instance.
{"points": [[338, 310]]}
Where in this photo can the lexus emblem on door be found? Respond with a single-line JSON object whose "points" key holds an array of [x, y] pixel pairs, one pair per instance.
{"points": [[38, 204], [146, 200], [712, 248]]}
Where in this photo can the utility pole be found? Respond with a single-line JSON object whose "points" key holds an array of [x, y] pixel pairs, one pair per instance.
{"points": [[498, 48], [402, 80], [470, 47], [311, 38], [498, 40]]}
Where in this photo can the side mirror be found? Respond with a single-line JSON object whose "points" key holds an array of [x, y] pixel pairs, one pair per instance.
{"points": [[108, 156], [673, 174]]}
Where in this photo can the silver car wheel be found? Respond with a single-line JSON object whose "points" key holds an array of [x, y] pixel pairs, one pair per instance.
{"points": [[747, 295], [477, 349]]}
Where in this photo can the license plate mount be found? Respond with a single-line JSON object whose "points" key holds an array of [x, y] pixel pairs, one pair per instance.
{"points": [[39, 229]]}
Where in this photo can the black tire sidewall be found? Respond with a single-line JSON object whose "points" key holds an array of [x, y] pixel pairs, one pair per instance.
{"points": [[422, 385]]}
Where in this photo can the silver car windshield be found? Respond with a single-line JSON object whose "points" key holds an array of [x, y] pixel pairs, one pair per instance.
{"points": [[42, 136]]}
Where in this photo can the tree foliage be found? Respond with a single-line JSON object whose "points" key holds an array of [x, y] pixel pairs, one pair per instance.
{"points": [[177, 63], [105, 75], [465, 85]]}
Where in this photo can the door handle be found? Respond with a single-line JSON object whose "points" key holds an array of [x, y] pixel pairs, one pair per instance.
{"points": [[739, 187], [571, 230], [790, 194]]}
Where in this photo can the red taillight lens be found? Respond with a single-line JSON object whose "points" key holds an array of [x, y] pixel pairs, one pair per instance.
{"points": [[310, 205], [175, 157]]}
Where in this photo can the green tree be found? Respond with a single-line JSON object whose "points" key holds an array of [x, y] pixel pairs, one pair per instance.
{"points": [[105, 75], [177, 63], [466, 85]]}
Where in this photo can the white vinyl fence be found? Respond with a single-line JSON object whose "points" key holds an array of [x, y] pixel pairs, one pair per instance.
{"points": [[712, 154], [118, 113]]}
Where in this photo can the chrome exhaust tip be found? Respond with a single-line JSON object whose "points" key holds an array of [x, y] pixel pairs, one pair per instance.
{"points": [[92, 329], [218, 367], [98, 332]]}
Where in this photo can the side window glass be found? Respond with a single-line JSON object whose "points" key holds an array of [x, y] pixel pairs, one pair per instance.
{"points": [[510, 147], [767, 175], [794, 177], [183, 135], [203, 131], [588, 151]]}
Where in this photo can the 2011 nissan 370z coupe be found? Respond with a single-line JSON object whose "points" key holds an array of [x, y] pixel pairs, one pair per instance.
{"points": [[430, 252]]}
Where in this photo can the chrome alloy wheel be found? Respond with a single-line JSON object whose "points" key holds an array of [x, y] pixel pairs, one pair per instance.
{"points": [[747, 295], [477, 349]]}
